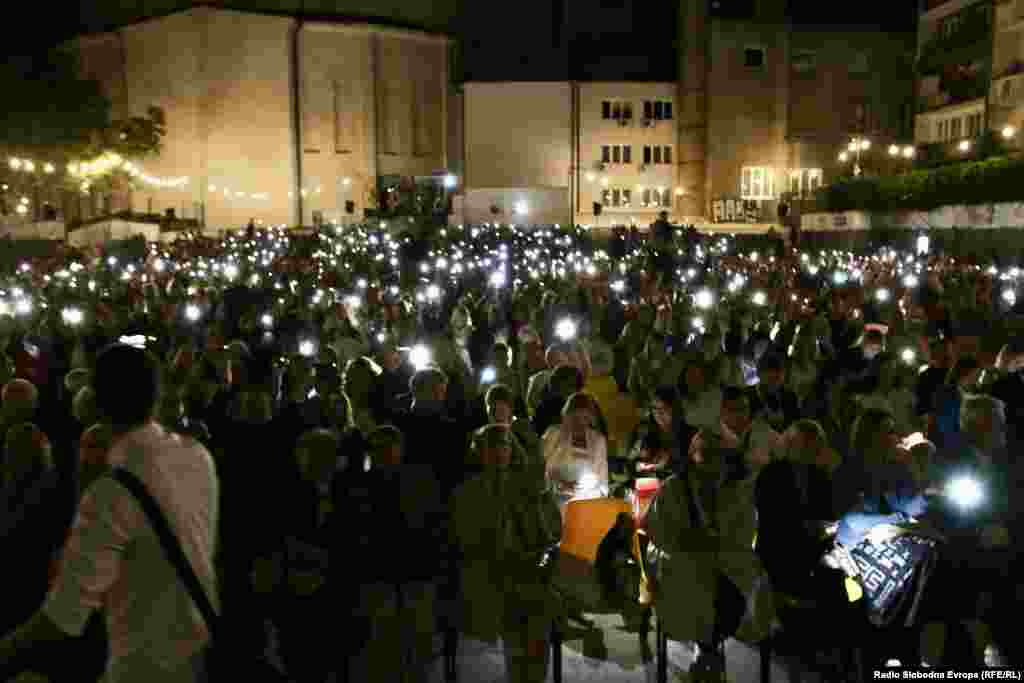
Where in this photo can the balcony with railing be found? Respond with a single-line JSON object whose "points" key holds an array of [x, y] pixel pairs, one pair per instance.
{"points": [[956, 89], [970, 40]]}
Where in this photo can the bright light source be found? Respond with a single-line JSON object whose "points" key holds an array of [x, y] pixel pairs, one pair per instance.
{"points": [[759, 299], [843, 157], [498, 279], [965, 145], [865, 144], [433, 292], [704, 299], [159, 265], [353, 302], [591, 177], [307, 348], [565, 329], [840, 277], [419, 356], [894, 150], [618, 286], [1009, 132], [72, 316], [911, 281], [23, 307], [882, 295], [964, 491], [267, 320], [909, 356], [488, 375], [923, 244], [192, 313], [450, 181], [908, 152], [1010, 297], [521, 208], [231, 271]]}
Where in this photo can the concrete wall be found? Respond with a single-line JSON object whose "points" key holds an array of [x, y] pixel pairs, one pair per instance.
{"points": [[517, 135], [372, 101], [46, 230], [980, 217], [595, 132], [544, 206], [99, 233]]}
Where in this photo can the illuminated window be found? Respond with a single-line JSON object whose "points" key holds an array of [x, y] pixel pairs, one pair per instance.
{"points": [[757, 182], [804, 181]]}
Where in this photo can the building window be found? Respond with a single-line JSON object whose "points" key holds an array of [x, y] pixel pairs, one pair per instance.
{"points": [[753, 57], [661, 110], [616, 154], [617, 197], [805, 61], [658, 154], [654, 198], [804, 181], [955, 128], [757, 182], [615, 110]]}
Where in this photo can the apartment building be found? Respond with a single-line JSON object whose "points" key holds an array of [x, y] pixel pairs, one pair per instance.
{"points": [[970, 72]]}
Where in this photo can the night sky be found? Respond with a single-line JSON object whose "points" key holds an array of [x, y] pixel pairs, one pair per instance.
{"points": [[491, 44]]}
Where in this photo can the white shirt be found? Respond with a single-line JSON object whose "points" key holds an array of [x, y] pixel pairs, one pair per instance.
{"points": [[114, 560]]}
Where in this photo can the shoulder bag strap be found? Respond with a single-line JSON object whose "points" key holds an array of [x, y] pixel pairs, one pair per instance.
{"points": [[171, 546]]}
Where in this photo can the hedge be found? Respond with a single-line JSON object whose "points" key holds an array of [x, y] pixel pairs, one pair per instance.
{"points": [[981, 182]]}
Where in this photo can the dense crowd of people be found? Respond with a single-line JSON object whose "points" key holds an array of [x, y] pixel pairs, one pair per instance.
{"points": [[363, 438]]}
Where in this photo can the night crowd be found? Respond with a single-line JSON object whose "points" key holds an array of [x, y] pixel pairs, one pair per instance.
{"points": [[366, 440]]}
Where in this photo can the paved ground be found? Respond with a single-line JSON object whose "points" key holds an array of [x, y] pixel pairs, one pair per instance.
{"points": [[611, 654]]}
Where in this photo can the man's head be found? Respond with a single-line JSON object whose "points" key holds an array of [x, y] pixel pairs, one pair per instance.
{"points": [[533, 356], [316, 454], [386, 445], [20, 401], [493, 445], [359, 378], [501, 355], [127, 385], [500, 403], [557, 355], [771, 370], [942, 352], [983, 419], [565, 381], [26, 450], [429, 386], [874, 343], [736, 410], [83, 407]]}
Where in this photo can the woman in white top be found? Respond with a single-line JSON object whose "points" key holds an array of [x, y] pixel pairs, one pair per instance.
{"points": [[576, 454]]}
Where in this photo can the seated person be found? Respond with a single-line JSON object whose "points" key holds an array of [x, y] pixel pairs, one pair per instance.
{"points": [[708, 579]]}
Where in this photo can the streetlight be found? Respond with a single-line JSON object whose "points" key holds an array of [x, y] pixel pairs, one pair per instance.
{"points": [[909, 152], [965, 146], [1009, 132], [856, 146]]}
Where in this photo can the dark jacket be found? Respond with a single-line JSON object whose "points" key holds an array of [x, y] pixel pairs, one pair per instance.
{"points": [[388, 527], [791, 500]]}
